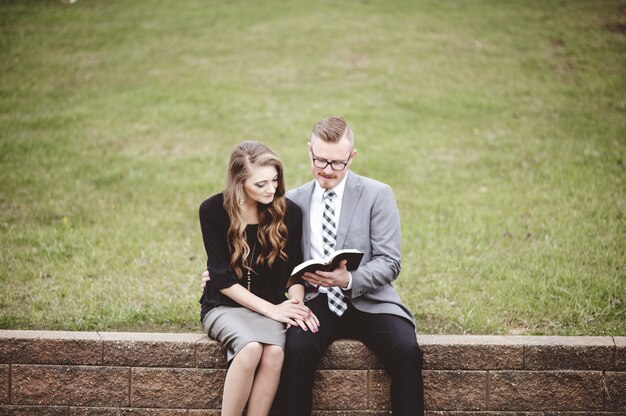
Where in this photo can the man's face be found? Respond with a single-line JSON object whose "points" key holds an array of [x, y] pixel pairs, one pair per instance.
{"points": [[339, 154]]}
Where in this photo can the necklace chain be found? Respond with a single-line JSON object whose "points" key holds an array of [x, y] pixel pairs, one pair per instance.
{"points": [[249, 265]]}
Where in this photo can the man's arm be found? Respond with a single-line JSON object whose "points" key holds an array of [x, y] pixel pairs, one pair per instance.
{"points": [[385, 242]]}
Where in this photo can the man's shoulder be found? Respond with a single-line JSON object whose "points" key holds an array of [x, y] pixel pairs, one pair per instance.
{"points": [[370, 183], [301, 187], [294, 193]]}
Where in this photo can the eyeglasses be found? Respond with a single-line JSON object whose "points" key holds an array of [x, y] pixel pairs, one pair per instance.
{"points": [[334, 164]]}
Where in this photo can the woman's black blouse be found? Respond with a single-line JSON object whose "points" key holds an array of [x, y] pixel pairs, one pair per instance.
{"points": [[267, 283]]}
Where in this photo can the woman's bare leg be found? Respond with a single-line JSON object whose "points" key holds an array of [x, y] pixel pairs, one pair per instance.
{"points": [[266, 381], [240, 378]]}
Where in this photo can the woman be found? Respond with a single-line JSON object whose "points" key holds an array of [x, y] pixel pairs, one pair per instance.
{"points": [[252, 236]]}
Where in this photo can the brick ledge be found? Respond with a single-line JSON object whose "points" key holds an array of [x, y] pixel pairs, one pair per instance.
{"points": [[116, 373]]}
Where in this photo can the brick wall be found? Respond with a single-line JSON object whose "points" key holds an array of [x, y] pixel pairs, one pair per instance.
{"points": [[106, 374]]}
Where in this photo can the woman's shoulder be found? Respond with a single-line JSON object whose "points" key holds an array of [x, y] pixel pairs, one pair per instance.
{"points": [[292, 207], [213, 204], [293, 212]]}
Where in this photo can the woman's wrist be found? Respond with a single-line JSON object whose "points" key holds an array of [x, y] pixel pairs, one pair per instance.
{"points": [[296, 292]]}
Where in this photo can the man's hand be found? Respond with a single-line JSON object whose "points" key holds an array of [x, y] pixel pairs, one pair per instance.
{"points": [[338, 277], [205, 278]]}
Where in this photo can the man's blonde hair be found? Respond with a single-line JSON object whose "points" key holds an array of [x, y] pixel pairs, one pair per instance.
{"points": [[333, 129]]}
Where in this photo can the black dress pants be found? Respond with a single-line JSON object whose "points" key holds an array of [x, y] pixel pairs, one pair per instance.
{"points": [[391, 337]]}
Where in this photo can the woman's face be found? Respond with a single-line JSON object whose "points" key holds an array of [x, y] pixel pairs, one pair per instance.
{"points": [[261, 184]]}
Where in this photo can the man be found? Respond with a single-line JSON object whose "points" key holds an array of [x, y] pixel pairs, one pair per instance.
{"points": [[342, 210]]}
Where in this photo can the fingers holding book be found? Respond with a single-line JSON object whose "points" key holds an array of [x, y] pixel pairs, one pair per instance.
{"points": [[338, 277], [341, 259]]}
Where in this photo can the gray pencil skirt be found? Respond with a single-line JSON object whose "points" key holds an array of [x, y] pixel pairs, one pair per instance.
{"points": [[235, 327]]}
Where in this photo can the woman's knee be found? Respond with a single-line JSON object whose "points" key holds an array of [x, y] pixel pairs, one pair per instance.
{"points": [[273, 356], [250, 355]]}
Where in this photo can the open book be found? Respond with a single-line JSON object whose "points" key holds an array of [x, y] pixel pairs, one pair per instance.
{"points": [[353, 257]]}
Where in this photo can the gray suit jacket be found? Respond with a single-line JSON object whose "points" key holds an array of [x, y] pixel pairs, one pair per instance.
{"points": [[370, 222]]}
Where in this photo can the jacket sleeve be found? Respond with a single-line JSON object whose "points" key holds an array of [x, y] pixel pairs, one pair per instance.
{"points": [[385, 242]]}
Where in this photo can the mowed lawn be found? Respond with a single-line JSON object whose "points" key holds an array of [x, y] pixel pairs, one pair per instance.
{"points": [[501, 126]]}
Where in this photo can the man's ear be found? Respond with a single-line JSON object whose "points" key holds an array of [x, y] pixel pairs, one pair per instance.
{"points": [[353, 155]]}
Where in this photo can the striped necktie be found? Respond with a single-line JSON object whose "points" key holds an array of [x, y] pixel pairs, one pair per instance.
{"points": [[336, 301]]}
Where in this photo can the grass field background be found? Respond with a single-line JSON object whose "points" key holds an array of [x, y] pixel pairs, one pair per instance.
{"points": [[501, 126]]}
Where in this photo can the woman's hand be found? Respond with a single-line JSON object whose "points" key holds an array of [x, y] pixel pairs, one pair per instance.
{"points": [[311, 323], [289, 311]]}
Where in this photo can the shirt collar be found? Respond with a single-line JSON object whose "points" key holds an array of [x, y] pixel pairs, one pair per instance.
{"points": [[318, 192]]}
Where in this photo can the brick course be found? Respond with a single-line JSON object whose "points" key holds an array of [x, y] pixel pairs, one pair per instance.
{"points": [[620, 353], [36, 347], [455, 390], [177, 388], [137, 374], [579, 353], [69, 385], [616, 391], [149, 350], [330, 385], [548, 390], [5, 371]]}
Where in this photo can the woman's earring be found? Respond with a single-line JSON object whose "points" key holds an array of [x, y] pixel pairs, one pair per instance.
{"points": [[241, 200]]}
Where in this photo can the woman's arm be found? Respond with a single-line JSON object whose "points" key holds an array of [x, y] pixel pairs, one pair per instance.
{"points": [[214, 223], [287, 311], [296, 291]]}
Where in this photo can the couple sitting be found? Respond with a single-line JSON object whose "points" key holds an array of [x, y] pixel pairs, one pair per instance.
{"points": [[255, 234]]}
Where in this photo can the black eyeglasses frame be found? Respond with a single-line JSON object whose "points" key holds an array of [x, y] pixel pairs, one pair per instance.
{"points": [[332, 163]]}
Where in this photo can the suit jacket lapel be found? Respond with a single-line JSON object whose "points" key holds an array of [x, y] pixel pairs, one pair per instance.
{"points": [[350, 201]]}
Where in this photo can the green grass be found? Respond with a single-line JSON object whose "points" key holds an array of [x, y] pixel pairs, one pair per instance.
{"points": [[501, 126]]}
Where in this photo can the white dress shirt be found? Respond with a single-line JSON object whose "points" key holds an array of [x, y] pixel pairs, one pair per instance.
{"points": [[317, 209]]}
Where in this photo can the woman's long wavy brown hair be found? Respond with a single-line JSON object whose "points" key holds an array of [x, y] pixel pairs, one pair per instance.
{"points": [[272, 232]]}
